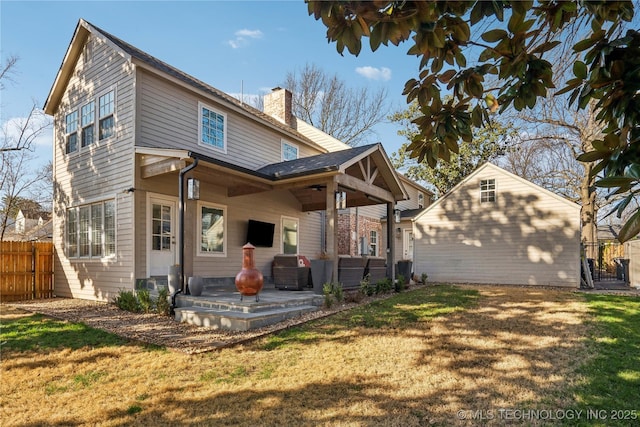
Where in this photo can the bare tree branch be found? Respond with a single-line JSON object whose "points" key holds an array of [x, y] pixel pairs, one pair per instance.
{"points": [[327, 103]]}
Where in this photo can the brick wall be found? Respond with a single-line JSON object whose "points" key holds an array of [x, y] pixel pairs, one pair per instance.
{"points": [[348, 240]]}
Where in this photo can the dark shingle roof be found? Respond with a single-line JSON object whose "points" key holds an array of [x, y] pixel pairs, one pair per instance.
{"points": [[314, 164]]}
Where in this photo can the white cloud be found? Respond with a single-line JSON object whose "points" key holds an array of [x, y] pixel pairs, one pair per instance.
{"points": [[243, 37], [373, 73], [37, 130]]}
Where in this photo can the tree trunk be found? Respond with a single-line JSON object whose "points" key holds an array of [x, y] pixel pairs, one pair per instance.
{"points": [[588, 213]]}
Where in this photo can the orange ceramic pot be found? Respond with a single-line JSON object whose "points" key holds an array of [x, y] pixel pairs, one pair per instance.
{"points": [[249, 280]]}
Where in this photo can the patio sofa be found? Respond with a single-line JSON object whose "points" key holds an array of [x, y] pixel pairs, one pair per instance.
{"points": [[376, 268], [291, 272], [350, 271]]}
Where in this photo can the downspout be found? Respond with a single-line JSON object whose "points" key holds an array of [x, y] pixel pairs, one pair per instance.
{"points": [[181, 214]]}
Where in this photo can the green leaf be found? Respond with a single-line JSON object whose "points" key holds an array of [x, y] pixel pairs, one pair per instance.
{"points": [[614, 181], [494, 35], [633, 171], [590, 156], [631, 228], [580, 70]]}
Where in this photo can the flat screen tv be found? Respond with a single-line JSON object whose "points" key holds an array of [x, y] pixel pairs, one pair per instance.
{"points": [[260, 234]]}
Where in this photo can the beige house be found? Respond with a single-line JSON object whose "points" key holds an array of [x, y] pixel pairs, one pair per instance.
{"points": [[495, 227], [154, 168]]}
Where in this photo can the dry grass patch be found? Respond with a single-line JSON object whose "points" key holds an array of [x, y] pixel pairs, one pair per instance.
{"points": [[415, 359]]}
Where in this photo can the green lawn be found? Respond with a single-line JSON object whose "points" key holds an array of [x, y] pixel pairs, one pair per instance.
{"points": [[440, 355]]}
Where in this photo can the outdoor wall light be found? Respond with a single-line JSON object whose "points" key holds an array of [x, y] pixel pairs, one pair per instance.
{"points": [[193, 189], [398, 231], [396, 215]]}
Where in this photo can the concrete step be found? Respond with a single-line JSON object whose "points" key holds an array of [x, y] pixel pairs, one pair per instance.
{"points": [[249, 304], [238, 320]]}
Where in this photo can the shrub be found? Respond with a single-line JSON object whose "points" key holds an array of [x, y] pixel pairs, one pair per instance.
{"points": [[126, 300], [144, 300], [399, 283], [162, 304], [384, 286], [332, 292], [355, 296], [328, 297], [365, 287], [424, 278]]}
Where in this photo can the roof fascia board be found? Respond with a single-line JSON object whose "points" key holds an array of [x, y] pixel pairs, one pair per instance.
{"points": [[78, 40], [166, 152]]}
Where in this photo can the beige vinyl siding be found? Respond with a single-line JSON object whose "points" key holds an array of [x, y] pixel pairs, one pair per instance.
{"points": [[632, 253], [272, 207], [267, 207], [169, 119], [95, 173], [527, 237], [319, 137]]}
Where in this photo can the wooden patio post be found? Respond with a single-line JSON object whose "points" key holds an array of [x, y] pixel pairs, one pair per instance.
{"points": [[332, 226], [390, 241]]}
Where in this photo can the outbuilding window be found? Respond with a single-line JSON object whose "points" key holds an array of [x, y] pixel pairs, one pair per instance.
{"points": [[487, 191]]}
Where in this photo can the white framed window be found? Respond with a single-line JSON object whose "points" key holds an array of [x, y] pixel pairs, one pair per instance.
{"points": [[420, 200], [289, 151], [212, 128], [87, 122], [487, 191], [91, 230], [373, 243], [106, 121], [71, 131], [290, 235], [212, 229]]}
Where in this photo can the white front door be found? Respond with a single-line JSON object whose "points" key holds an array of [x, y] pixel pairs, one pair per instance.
{"points": [[162, 235], [407, 245]]}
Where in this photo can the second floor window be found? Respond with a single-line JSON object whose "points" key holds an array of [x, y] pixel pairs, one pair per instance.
{"points": [[420, 200], [487, 191], [212, 128], [71, 131], [87, 118], [106, 122], [289, 151]]}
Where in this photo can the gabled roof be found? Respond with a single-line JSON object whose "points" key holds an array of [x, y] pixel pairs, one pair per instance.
{"points": [[149, 62], [314, 164], [497, 169]]}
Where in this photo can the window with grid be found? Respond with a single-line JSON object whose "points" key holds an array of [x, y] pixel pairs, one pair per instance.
{"points": [[106, 122], [373, 243], [289, 151], [213, 128], [487, 191], [91, 230], [71, 130], [420, 200], [87, 122]]}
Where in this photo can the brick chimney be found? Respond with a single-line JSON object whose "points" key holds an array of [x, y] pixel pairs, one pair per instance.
{"points": [[277, 104]]}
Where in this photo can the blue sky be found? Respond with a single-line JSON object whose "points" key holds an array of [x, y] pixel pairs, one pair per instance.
{"points": [[230, 45]]}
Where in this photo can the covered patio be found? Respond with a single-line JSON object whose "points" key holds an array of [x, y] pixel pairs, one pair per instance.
{"points": [[360, 176]]}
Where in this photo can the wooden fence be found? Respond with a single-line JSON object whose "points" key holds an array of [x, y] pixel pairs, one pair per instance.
{"points": [[26, 270]]}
